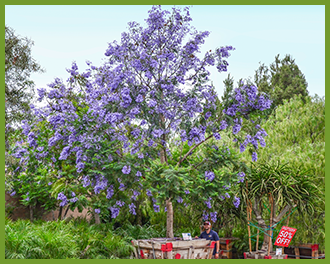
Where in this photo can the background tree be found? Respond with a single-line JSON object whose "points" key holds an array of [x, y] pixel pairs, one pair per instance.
{"points": [[19, 88], [281, 80]]}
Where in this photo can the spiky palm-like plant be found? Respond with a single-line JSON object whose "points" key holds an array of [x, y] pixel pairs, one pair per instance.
{"points": [[283, 187]]}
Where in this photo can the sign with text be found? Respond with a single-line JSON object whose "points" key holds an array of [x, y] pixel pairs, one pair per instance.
{"points": [[186, 236], [284, 237]]}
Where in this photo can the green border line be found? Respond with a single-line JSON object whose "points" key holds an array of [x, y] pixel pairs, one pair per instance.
{"points": [[167, 2]]}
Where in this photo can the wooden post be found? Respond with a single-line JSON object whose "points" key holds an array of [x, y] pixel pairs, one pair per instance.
{"points": [[257, 243], [210, 253], [248, 214], [229, 249], [190, 250], [287, 224], [271, 223], [296, 252], [249, 220]]}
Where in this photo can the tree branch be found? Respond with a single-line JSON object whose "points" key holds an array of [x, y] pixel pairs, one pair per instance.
{"points": [[260, 220], [192, 149], [282, 213]]}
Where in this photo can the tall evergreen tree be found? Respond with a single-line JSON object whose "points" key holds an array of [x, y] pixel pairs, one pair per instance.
{"points": [[281, 80]]}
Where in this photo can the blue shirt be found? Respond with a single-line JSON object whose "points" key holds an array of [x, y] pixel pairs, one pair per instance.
{"points": [[210, 236]]}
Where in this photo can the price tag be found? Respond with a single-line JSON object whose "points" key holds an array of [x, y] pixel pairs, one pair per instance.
{"points": [[285, 236]]}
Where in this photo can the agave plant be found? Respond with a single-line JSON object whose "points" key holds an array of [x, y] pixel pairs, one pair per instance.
{"points": [[282, 187]]}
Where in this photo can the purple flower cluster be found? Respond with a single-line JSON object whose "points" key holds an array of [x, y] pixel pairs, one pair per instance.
{"points": [[126, 169], [86, 181], [236, 201], [74, 199], [209, 175], [179, 199], [223, 125], [149, 193], [208, 203], [132, 208], [205, 215], [217, 136], [101, 184], [254, 156], [120, 203], [213, 216], [156, 208], [20, 153], [110, 192], [245, 100], [240, 176], [135, 194], [227, 187], [31, 139], [114, 212], [63, 198], [122, 187], [65, 153]]}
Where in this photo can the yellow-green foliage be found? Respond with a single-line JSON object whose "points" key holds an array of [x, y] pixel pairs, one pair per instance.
{"points": [[296, 134]]}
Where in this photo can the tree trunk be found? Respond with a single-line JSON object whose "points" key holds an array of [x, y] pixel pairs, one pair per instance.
{"points": [[261, 223], [60, 213], [169, 206], [138, 213], [31, 213], [274, 220], [66, 211], [97, 219], [169, 220]]}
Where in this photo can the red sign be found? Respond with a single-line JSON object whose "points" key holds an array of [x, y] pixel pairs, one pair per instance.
{"points": [[284, 237]]}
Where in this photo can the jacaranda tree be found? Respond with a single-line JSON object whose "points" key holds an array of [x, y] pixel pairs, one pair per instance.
{"points": [[136, 123]]}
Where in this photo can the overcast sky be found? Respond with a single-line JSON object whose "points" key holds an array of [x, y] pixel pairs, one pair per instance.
{"points": [[63, 34]]}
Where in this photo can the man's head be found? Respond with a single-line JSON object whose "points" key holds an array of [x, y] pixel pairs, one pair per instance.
{"points": [[207, 225]]}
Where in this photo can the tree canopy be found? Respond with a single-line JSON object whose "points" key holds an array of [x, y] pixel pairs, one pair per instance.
{"points": [[136, 123], [19, 88]]}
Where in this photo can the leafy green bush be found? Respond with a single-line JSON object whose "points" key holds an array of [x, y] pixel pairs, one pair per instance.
{"points": [[62, 239], [35, 241]]}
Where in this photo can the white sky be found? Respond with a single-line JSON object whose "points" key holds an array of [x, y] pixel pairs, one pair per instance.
{"points": [[63, 34]]}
